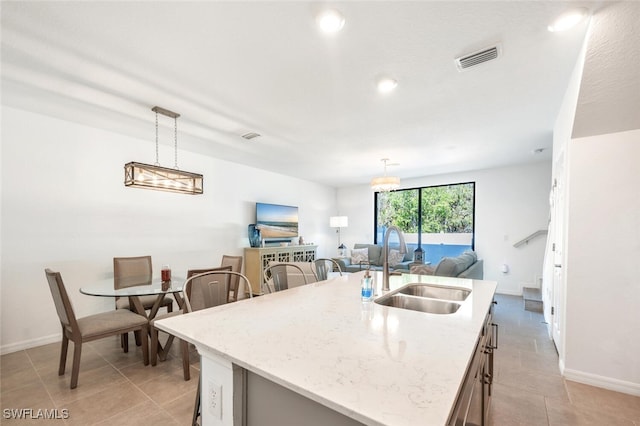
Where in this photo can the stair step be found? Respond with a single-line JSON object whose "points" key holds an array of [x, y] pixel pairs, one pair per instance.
{"points": [[532, 299], [530, 293]]}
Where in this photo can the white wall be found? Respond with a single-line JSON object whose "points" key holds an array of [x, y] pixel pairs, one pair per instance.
{"points": [[65, 207], [553, 285], [602, 342], [511, 203]]}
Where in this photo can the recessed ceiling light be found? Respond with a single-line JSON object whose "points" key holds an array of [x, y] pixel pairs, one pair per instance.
{"points": [[330, 21], [568, 19], [386, 84]]}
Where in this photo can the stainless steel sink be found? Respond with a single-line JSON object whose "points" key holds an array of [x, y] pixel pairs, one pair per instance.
{"points": [[415, 303], [436, 292]]}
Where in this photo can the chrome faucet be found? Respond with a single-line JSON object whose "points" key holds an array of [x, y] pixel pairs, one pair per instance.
{"points": [[385, 249]]}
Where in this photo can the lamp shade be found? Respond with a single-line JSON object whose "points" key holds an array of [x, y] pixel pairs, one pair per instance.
{"points": [[385, 183], [338, 221]]}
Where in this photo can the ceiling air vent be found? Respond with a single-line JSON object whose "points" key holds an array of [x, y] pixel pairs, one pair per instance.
{"points": [[477, 58], [251, 135]]}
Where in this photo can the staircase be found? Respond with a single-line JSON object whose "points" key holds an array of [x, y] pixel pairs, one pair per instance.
{"points": [[532, 299]]}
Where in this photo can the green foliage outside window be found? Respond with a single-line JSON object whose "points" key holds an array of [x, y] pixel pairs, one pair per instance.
{"points": [[446, 209], [399, 208]]}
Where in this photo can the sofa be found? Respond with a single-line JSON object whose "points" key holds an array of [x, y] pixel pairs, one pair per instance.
{"points": [[466, 265], [373, 259]]}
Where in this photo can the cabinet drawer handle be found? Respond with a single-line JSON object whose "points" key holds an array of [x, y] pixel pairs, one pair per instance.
{"points": [[496, 335], [488, 379]]}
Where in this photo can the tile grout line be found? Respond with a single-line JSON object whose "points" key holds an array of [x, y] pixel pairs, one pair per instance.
{"points": [[55, 405], [151, 399], [132, 384]]}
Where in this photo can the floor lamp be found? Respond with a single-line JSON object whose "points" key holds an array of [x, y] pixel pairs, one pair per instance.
{"points": [[339, 222]]}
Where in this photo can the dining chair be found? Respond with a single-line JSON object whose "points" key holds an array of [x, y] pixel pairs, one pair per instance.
{"points": [[277, 276], [130, 272], [321, 268], [196, 297], [202, 291], [236, 266], [92, 327]]}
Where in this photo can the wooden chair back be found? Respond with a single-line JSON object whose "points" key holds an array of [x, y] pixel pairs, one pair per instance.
{"points": [[236, 266], [62, 302], [132, 271]]}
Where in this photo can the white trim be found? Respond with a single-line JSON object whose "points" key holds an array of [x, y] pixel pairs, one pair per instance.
{"points": [[28, 344], [602, 382], [509, 292]]}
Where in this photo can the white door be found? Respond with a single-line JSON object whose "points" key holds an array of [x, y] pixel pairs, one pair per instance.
{"points": [[558, 219], [547, 267]]}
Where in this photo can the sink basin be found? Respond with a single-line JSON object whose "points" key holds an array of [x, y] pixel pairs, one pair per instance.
{"points": [[421, 304], [436, 292]]}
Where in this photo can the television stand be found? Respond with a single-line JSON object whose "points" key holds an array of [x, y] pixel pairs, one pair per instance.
{"points": [[276, 242], [256, 260]]}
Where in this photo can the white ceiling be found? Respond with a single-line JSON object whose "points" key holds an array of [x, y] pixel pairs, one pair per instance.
{"points": [[233, 67]]}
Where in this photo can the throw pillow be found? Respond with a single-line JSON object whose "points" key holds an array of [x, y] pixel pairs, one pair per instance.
{"points": [[446, 267], [421, 269], [395, 257], [359, 255]]}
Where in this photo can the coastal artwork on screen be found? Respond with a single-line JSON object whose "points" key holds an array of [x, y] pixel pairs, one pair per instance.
{"points": [[276, 221]]}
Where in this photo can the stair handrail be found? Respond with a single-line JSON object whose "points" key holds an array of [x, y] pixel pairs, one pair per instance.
{"points": [[531, 237]]}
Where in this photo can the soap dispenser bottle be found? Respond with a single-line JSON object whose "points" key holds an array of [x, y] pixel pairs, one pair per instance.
{"points": [[366, 287]]}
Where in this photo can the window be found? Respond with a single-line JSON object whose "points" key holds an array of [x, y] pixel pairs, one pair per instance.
{"points": [[438, 219]]}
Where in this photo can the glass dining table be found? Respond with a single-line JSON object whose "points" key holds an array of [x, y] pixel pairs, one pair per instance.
{"points": [[105, 288], [157, 287]]}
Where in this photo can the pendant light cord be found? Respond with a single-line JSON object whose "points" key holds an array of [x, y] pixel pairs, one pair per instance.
{"points": [[175, 142], [157, 163], [175, 116]]}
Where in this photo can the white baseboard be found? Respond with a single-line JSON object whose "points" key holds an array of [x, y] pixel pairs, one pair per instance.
{"points": [[602, 382], [28, 344]]}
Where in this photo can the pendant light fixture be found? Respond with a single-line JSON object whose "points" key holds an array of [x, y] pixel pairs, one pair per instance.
{"points": [[385, 183], [140, 175]]}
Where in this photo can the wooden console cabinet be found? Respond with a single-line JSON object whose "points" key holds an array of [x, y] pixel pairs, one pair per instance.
{"points": [[258, 258]]}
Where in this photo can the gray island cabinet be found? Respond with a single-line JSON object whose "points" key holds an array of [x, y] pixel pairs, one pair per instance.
{"points": [[318, 355]]}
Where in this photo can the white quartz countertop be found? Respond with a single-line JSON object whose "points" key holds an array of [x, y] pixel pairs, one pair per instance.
{"points": [[376, 364]]}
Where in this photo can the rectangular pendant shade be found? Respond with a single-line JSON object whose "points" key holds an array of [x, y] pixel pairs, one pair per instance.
{"points": [[140, 175]]}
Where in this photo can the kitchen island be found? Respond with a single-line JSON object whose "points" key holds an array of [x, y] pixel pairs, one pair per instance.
{"points": [[317, 354]]}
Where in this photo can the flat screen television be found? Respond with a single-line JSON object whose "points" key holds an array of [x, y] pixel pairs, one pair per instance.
{"points": [[276, 221]]}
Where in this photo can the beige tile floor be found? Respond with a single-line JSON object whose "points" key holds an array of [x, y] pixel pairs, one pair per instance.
{"points": [[528, 387], [116, 389]]}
